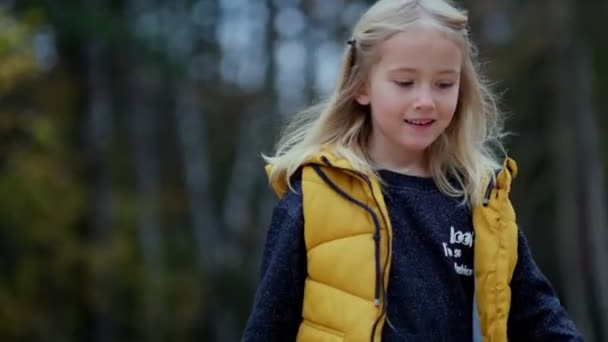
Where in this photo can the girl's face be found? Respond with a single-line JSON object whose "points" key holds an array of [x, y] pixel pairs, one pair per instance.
{"points": [[412, 90]]}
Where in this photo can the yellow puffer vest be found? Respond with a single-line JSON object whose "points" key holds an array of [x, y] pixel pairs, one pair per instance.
{"points": [[349, 264]]}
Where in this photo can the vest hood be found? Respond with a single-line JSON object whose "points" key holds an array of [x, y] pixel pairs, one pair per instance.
{"points": [[326, 157]]}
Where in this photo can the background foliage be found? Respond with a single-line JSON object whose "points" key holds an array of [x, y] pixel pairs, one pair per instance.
{"points": [[133, 202]]}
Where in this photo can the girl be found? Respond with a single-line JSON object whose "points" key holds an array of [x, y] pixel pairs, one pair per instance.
{"points": [[394, 222]]}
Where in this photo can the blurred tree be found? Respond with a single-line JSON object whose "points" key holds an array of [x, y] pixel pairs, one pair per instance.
{"points": [[41, 255]]}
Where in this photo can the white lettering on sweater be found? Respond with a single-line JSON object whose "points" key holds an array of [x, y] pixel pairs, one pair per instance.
{"points": [[459, 240], [463, 269], [459, 237]]}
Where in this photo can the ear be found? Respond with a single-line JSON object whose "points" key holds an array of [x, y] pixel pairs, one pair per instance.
{"points": [[363, 97]]}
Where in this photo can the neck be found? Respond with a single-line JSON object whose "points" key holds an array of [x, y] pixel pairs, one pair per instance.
{"points": [[413, 163]]}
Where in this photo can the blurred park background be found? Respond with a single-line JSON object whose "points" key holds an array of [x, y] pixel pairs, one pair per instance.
{"points": [[133, 201]]}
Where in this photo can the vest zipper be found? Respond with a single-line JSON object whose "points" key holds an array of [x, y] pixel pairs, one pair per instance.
{"points": [[379, 286], [491, 185]]}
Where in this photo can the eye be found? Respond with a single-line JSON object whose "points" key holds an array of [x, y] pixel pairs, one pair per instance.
{"points": [[404, 84], [445, 85]]}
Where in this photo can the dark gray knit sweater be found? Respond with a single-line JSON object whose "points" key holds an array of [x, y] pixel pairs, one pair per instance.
{"points": [[430, 290]]}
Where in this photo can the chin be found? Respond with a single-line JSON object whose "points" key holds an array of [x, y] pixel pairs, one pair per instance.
{"points": [[416, 147]]}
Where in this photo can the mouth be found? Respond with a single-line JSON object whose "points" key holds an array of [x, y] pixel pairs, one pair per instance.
{"points": [[423, 122]]}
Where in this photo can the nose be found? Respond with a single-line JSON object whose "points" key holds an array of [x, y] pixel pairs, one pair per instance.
{"points": [[424, 100]]}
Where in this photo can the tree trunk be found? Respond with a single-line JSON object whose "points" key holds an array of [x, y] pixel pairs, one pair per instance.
{"points": [[144, 119], [97, 137], [590, 173], [191, 135], [581, 203]]}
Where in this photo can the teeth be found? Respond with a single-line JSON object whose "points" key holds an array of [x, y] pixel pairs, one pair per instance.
{"points": [[420, 122]]}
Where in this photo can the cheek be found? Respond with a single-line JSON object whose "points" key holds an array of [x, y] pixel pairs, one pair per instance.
{"points": [[386, 99], [448, 105]]}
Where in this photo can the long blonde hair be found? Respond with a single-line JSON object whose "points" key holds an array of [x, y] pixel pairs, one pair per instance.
{"points": [[467, 151]]}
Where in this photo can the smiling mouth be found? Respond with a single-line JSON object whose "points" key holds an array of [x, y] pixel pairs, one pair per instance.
{"points": [[419, 122]]}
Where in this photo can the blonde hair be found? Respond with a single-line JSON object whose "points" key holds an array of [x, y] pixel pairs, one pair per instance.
{"points": [[465, 152]]}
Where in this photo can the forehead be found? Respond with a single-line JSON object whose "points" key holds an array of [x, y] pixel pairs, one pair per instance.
{"points": [[420, 48]]}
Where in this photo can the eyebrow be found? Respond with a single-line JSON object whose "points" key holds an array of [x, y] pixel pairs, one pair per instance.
{"points": [[413, 70]]}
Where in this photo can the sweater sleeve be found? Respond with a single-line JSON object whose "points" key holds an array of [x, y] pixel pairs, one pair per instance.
{"points": [[536, 313], [277, 307]]}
